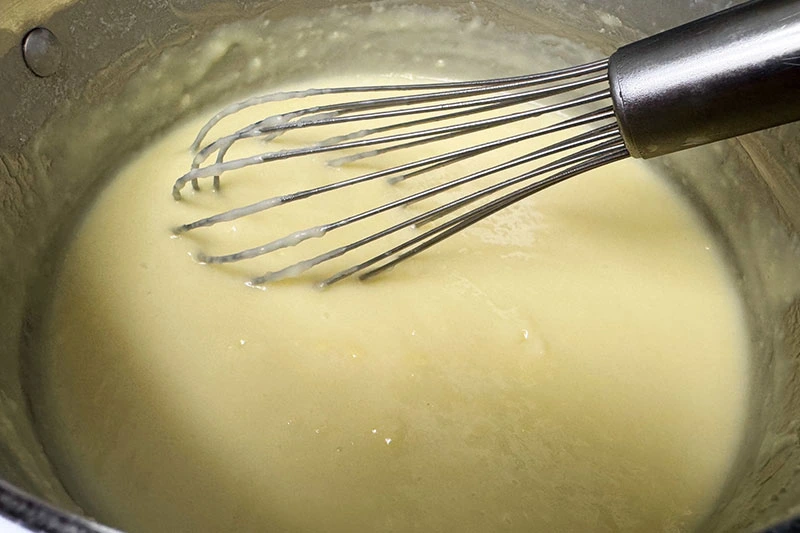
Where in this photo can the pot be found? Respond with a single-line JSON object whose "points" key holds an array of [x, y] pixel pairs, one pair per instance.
{"points": [[64, 87]]}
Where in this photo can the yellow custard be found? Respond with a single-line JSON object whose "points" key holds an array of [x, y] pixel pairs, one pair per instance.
{"points": [[576, 362]]}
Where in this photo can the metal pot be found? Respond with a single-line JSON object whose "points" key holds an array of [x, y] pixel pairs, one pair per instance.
{"points": [[63, 90]]}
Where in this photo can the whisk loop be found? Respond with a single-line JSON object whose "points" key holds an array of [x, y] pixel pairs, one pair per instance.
{"points": [[724, 75], [419, 107]]}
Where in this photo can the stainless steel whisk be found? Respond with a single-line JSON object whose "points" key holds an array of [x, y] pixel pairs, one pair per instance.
{"points": [[724, 75]]}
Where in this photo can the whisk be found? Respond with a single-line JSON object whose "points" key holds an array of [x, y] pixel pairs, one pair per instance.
{"points": [[718, 77]]}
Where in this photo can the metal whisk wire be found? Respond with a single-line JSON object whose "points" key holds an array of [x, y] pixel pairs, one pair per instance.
{"points": [[438, 102], [721, 76], [588, 160], [271, 127]]}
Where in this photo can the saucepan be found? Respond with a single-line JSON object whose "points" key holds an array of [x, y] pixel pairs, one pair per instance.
{"points": [[74, 106]]}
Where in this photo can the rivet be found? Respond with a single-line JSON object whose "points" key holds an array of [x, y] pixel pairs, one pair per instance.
{"points": [[42, 52]]}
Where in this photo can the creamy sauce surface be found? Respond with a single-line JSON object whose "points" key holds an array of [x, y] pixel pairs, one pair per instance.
{"points": [[577, 362]]}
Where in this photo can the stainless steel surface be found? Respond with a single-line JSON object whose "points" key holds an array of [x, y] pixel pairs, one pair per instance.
{"points": [[731, 73], [42, 52], [747, 190], [38, 515]]}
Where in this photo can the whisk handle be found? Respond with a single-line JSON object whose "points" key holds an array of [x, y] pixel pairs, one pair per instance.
{"points": [[724, 75]]}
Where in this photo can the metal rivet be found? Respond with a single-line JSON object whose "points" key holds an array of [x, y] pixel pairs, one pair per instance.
{"points": [[42, 52]]}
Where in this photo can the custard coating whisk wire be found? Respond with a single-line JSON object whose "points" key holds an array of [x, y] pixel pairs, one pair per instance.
{"points": [[424, 105], [727, 74]]}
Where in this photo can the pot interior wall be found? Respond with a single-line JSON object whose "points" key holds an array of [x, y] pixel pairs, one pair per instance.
{"points": [[63, 134]]}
